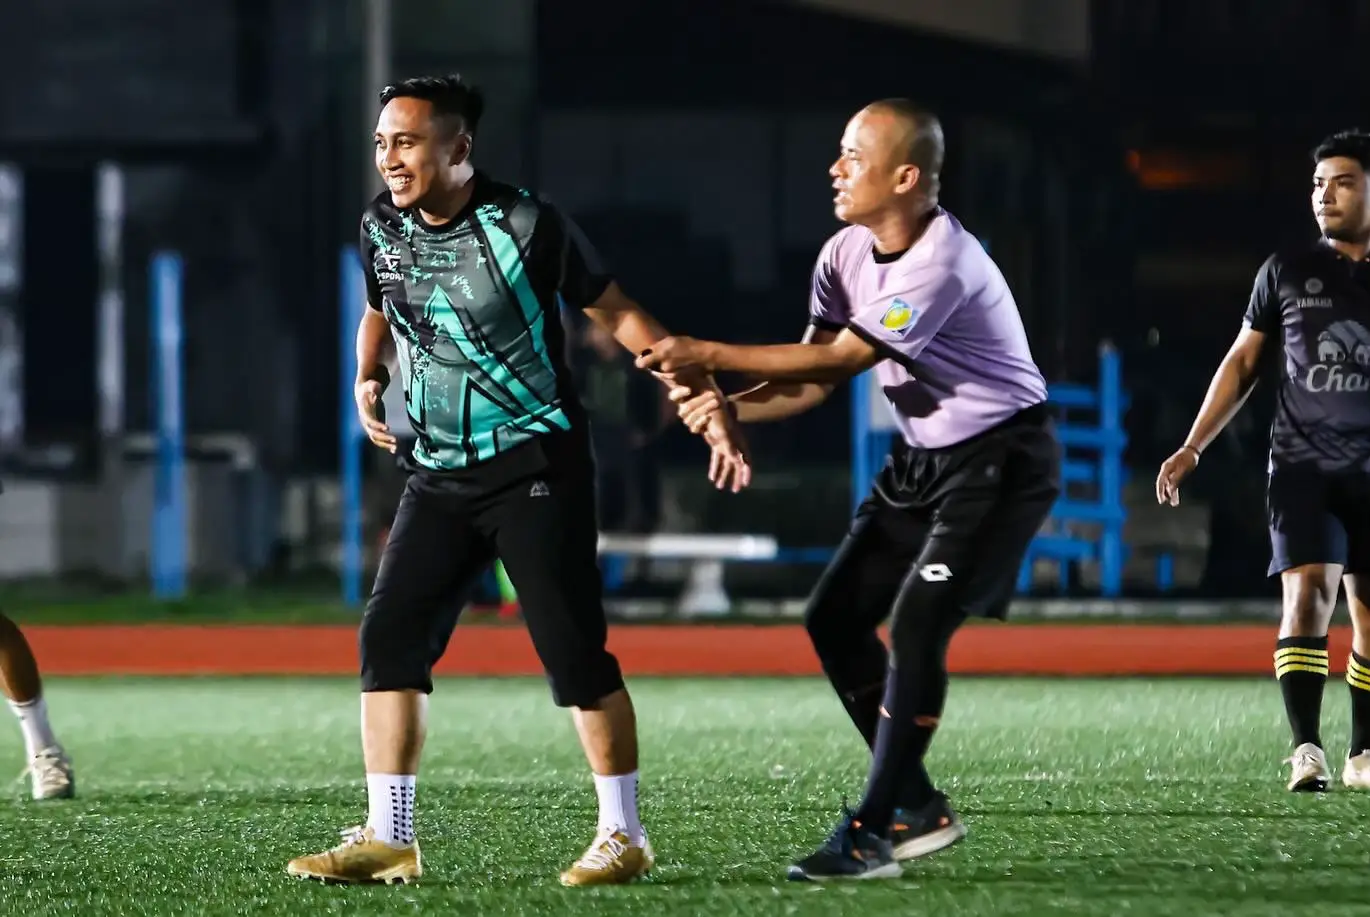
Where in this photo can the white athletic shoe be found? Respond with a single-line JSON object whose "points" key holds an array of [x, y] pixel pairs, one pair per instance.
{"points": [[1308, 770], [51, 775], [1356, 774]]}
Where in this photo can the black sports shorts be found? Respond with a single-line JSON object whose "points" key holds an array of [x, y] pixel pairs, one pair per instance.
{"points": [[965, 512], [534, 510], [1318, 517]]}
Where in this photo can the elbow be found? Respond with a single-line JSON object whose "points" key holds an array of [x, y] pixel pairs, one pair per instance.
{"points": [[1244, 369]]}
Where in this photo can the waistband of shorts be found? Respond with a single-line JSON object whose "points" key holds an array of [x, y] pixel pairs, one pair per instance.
{"points": [[1037, 415]]}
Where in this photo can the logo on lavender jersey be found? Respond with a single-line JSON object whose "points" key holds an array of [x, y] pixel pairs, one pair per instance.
{"points": [[899, 317]]}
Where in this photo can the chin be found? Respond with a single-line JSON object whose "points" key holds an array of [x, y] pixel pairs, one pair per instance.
{"points": [[845, 213]]}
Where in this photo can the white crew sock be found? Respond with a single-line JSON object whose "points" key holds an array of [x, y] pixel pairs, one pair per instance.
{"points": [[390, 807], [618, 806], [33, 720]]}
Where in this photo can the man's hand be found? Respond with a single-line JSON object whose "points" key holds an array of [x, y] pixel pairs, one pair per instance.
{"points": [[676, 354], [1174, 470], [696, 409], [368, 395], [730, 463]]}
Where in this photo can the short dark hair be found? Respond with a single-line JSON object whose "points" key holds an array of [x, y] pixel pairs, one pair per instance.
{"points": [[1353, 143], [451, 96]]}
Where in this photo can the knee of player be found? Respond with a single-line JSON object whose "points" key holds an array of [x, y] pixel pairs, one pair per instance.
{"points": [[929, 607], [828, 621], [1310, 594], [392, 639], [585, 682]]}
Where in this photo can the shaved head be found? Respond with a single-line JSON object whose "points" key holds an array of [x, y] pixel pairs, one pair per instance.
{"points": [[891, 163], [916, 139]]}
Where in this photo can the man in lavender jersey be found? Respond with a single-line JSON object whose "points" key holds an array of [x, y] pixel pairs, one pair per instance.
{"points": [[907, 290]]}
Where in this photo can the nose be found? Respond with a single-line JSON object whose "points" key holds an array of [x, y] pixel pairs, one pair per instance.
{"points": [[835, 170], [1328, 194]]}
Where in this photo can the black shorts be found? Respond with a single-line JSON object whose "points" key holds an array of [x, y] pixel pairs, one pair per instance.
{"points": [[966, 512], [1317, 517], [534, 510]]}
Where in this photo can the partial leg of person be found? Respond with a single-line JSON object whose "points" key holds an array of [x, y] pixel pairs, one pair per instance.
{"points": [[853, 596], [1356, 773], [49, 769], [989, 513], [430, 563], [548, 538], [924, 821], [1308, 551], [1354, 512], [1301, 665]]}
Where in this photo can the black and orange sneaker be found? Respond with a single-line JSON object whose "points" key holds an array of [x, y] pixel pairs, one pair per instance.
{"points": [[916, 833], [851, 852]]}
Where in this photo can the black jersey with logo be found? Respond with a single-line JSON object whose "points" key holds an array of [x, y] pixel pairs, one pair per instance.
{"points": [[474, 307], [1314, 304]]}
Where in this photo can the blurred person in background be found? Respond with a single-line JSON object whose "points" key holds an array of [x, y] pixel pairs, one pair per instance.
{"points": [[1314, 301], [906, 290], [629, 411], [464, 278], [49, 769]]}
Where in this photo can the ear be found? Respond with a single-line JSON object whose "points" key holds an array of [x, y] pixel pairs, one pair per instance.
{"points": [[461, 150], [907, 179]]}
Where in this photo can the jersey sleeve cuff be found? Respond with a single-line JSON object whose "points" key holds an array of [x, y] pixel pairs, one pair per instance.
{"points": [[882, 347], [826, 325]]}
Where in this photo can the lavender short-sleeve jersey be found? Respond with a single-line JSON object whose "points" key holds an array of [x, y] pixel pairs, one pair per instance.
{"points": [[956, 357]]}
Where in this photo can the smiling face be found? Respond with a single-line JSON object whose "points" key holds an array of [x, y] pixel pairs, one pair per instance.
{"points": [[872, 172], [1339, 199], [415, 152]]}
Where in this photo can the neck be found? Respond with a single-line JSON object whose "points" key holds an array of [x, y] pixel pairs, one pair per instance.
{"points": [[447, 203], [897, 231], [1356, 251]]}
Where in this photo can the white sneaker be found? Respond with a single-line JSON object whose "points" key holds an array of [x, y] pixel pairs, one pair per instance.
{"points": [[51, 774], [1356, 774], [1308, 770]]}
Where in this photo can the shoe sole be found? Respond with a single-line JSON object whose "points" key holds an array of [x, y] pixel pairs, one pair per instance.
{"points": [[1311, 785], [926, 844], [888, 871], [339, 880], [640, 874]]}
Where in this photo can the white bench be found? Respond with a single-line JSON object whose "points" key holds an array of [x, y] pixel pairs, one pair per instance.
{"points": [[703, 593]]}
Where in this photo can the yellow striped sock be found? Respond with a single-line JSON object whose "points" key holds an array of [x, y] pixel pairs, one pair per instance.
{"points": [[1358, 672], [1301, 667], [1302, 659], [1358, 678]]}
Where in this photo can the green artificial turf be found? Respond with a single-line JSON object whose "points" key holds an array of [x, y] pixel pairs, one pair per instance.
{"points": [[1082, 797]]}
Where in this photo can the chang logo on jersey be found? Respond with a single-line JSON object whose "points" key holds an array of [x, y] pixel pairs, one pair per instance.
{"points": [[899, 317], [1343, 354]]}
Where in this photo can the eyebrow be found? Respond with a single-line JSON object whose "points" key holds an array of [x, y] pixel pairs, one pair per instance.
{"points": [[1336, 177]]}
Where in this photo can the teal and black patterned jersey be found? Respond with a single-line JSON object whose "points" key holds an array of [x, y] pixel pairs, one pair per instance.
{"points": [[474, 307]]}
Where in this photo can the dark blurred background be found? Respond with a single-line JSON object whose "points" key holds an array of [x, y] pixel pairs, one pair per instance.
{"points": [[1128, 163]]}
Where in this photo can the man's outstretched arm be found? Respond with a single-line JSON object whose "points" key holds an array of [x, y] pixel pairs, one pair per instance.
{"points": [[847, 355]]}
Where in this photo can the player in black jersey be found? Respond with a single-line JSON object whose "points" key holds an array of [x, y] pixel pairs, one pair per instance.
{"points": [[466, 277], [1315, 305]]}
